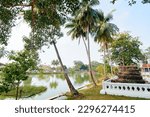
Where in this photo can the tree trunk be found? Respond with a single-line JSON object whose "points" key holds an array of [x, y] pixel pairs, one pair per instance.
{"points": [[110, 61], [123, 62], [89, 57], [73, 91], [17, 90], [111, 67], [104, 62]]}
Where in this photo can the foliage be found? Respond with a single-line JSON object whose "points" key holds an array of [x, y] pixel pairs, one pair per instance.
{"points": [[131, 2], [108, 69], [115, 70], [126, 49], [82, 25], [27, 59], [40, 14], [104, 34], [86, 15], [95, 64], [43, 37], [84, 67], [100, 68], [55, 63], [3, 52], [81, 78], [147, 54], [15, 72], [6, 23], [45, 18], [105, 30], [44, 69], [79, 65], [75, 31], [53, 85], [26, 91], [8, 15]]}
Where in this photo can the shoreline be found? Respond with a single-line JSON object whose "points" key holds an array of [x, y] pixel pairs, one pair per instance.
{"points": [[65, 94]]}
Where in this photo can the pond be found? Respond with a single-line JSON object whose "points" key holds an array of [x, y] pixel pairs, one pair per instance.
{"points": [[55, 83]]}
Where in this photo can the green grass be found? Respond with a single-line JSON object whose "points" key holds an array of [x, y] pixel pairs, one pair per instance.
{"points": [[93, 93], [27, 91]]}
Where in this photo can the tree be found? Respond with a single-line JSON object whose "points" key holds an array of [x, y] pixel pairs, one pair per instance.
{"points": [[104, 34], [146, 54], [131, 2], [126, 49], [43, 17], [73, 91], [77, 65], [82, 25], [94, 65], [55, 63], [50, 38], [3, 52], [100, 69], [16, 72]]}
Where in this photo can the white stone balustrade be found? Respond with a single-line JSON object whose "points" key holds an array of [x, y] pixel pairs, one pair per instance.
{"points": [[126, 89], [145, 73]]}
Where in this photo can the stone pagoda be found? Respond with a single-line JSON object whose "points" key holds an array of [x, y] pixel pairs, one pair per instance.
{"points": [[129, 74]]}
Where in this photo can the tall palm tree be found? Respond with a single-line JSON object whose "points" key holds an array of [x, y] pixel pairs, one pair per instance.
{"points": [[105, 32], [75, 31], [84, 22]]}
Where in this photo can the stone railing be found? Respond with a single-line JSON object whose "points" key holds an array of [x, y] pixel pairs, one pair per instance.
{"points": [[126, 89]]}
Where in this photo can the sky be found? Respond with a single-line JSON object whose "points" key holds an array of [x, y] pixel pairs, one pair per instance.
{"points": [[135, 19]]}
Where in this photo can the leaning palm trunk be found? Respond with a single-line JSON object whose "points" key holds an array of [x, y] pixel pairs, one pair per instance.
{"points": [[73, 91], [89, 57]]}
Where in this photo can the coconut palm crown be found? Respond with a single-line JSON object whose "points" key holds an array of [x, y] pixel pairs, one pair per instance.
{"points": [[105, 32]]}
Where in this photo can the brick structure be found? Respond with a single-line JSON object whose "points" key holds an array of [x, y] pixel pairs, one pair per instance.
{"points": [[129, 74]]}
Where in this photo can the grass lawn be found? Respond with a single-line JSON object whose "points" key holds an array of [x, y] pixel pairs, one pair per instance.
{"points": [[27, 91], [93, 93]]}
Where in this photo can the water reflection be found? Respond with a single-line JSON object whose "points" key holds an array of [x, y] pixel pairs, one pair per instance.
{"points": [[55, 83], [28, 81], [60, 76], [81, 78]]}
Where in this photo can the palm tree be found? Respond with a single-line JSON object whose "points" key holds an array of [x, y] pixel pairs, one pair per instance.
{"points": [[73, 91], [55, 33], [105, 32], [82, 25], [76, 32]]}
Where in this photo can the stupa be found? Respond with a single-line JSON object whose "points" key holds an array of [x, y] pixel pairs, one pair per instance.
{"points": [[129, 74], [128, 82]]}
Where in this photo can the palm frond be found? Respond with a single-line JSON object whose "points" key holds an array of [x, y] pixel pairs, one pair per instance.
{"points": [[109, 16]]}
